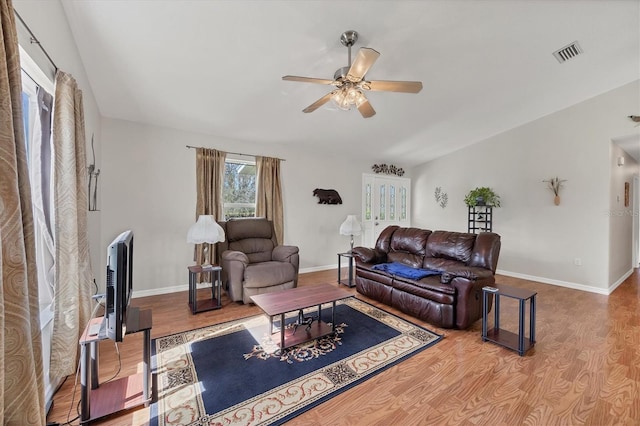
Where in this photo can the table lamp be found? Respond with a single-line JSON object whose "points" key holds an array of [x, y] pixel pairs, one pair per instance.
{"points": [[205, 231], [351, 227]]}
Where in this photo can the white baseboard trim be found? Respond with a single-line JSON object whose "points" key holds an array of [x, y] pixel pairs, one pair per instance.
{"points": [[319, 268], [615, 285], [575, 286], [185, 287], [158, 291], [567, 284]]}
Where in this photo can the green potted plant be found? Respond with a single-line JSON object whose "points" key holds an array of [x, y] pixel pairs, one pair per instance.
{"points": [[482, 196]]}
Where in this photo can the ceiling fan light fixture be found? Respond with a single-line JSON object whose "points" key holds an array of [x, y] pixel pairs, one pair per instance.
{"points": [[348, 97], [352, 95], [341, 100], [359, 97], [350, 81]]}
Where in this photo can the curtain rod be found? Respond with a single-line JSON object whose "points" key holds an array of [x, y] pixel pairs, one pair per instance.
{"points": [[235, 153], [34, 39]]}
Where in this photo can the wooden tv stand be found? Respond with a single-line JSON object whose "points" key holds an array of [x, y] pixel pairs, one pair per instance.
{"points": [[120, 394]]}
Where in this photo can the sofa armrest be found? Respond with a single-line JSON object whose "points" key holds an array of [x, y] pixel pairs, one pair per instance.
{"points": [[469, 299], [284, 253], [470, 273], [288, 254], [238, 256], [233, 266], [369, 255]]}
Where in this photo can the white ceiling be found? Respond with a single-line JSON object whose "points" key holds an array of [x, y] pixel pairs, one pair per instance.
{"points": [[215, 67]]}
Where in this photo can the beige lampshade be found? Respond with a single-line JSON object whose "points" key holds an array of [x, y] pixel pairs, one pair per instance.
{"points": [[205, 230], [351, 226]]}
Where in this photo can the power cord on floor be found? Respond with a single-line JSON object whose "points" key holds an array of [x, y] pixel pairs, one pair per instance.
{"points": [[119, 363], [73, 398], [75, 383]]}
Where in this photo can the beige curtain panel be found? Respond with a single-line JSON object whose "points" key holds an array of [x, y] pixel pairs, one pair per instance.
{"points": [[269, 194], [21, 370], [73, 284], [209, 184]]}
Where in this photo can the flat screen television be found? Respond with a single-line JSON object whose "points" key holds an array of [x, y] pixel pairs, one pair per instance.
{"points": [[119, 285]]}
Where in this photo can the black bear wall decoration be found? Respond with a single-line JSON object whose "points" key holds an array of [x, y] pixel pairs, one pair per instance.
{"points": [[327, 196]]}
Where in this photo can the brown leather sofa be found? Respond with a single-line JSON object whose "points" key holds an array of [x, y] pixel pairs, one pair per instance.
{"points": [[464, 263]]}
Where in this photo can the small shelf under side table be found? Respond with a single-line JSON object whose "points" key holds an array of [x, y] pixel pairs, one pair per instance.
{"points": [[503, 337], [349, 282], [216, 288]]}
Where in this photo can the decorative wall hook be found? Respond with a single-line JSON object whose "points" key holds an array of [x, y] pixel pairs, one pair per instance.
{"points": [[93, 181]]}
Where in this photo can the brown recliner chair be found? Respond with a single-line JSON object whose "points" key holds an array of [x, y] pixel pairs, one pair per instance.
{"points": [[253, 262]]}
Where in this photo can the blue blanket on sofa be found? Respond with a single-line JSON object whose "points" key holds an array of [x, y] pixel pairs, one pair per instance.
{"points": [[405, 271]]}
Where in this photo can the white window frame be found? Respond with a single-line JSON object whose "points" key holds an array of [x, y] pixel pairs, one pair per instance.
{"points": [[226, 206]]}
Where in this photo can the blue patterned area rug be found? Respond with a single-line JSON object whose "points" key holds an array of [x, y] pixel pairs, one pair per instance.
{"points": [[233, 374]]}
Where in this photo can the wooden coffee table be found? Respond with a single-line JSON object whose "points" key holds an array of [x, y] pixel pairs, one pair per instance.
{"points": [[297, 299]]}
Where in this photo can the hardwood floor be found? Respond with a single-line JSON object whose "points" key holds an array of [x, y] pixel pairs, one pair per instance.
{"points": [[583, 370]]}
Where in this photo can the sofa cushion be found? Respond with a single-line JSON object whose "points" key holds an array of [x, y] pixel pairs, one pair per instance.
{"points": [[383, 243], [450, 245], [428, 290], [411, 260], [485, 251], [239, 229], [440, 264], [266, 274], [405, 271], [366, 270], [410, 240], [256, 249]]}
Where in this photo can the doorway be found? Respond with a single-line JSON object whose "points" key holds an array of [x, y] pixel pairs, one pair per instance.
{"points": [[635, 196], [386, 201]]}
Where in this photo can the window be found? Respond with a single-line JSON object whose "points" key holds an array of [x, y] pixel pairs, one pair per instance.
{"points": [[39, 172], [37, 140], [239, 190]]}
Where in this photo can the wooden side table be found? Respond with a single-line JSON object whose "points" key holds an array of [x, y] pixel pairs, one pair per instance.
{"points": [[349, 256], [99, 400], [506, 338], [216, 288]]}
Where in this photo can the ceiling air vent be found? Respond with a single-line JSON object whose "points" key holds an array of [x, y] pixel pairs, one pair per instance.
{"points": [[568, 52]]}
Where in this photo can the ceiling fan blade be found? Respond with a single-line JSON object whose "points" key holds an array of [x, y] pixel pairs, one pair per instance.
{"points": [[307, 79], [317, 104], [365, 58], [366, 109], [394, 86]]}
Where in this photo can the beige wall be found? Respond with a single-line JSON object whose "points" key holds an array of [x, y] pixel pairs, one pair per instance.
{"points": [[149, 186], [540, 240], [147, 172]]}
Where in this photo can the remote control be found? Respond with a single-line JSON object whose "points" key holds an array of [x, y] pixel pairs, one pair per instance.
{"points": [[491, 289]]}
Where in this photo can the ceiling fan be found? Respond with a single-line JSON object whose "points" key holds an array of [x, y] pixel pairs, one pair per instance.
{"points": [[350, 81]]}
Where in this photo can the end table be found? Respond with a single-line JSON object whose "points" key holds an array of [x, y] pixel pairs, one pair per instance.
{"points": [[349, 282], [506, 338], [216, 288]]}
